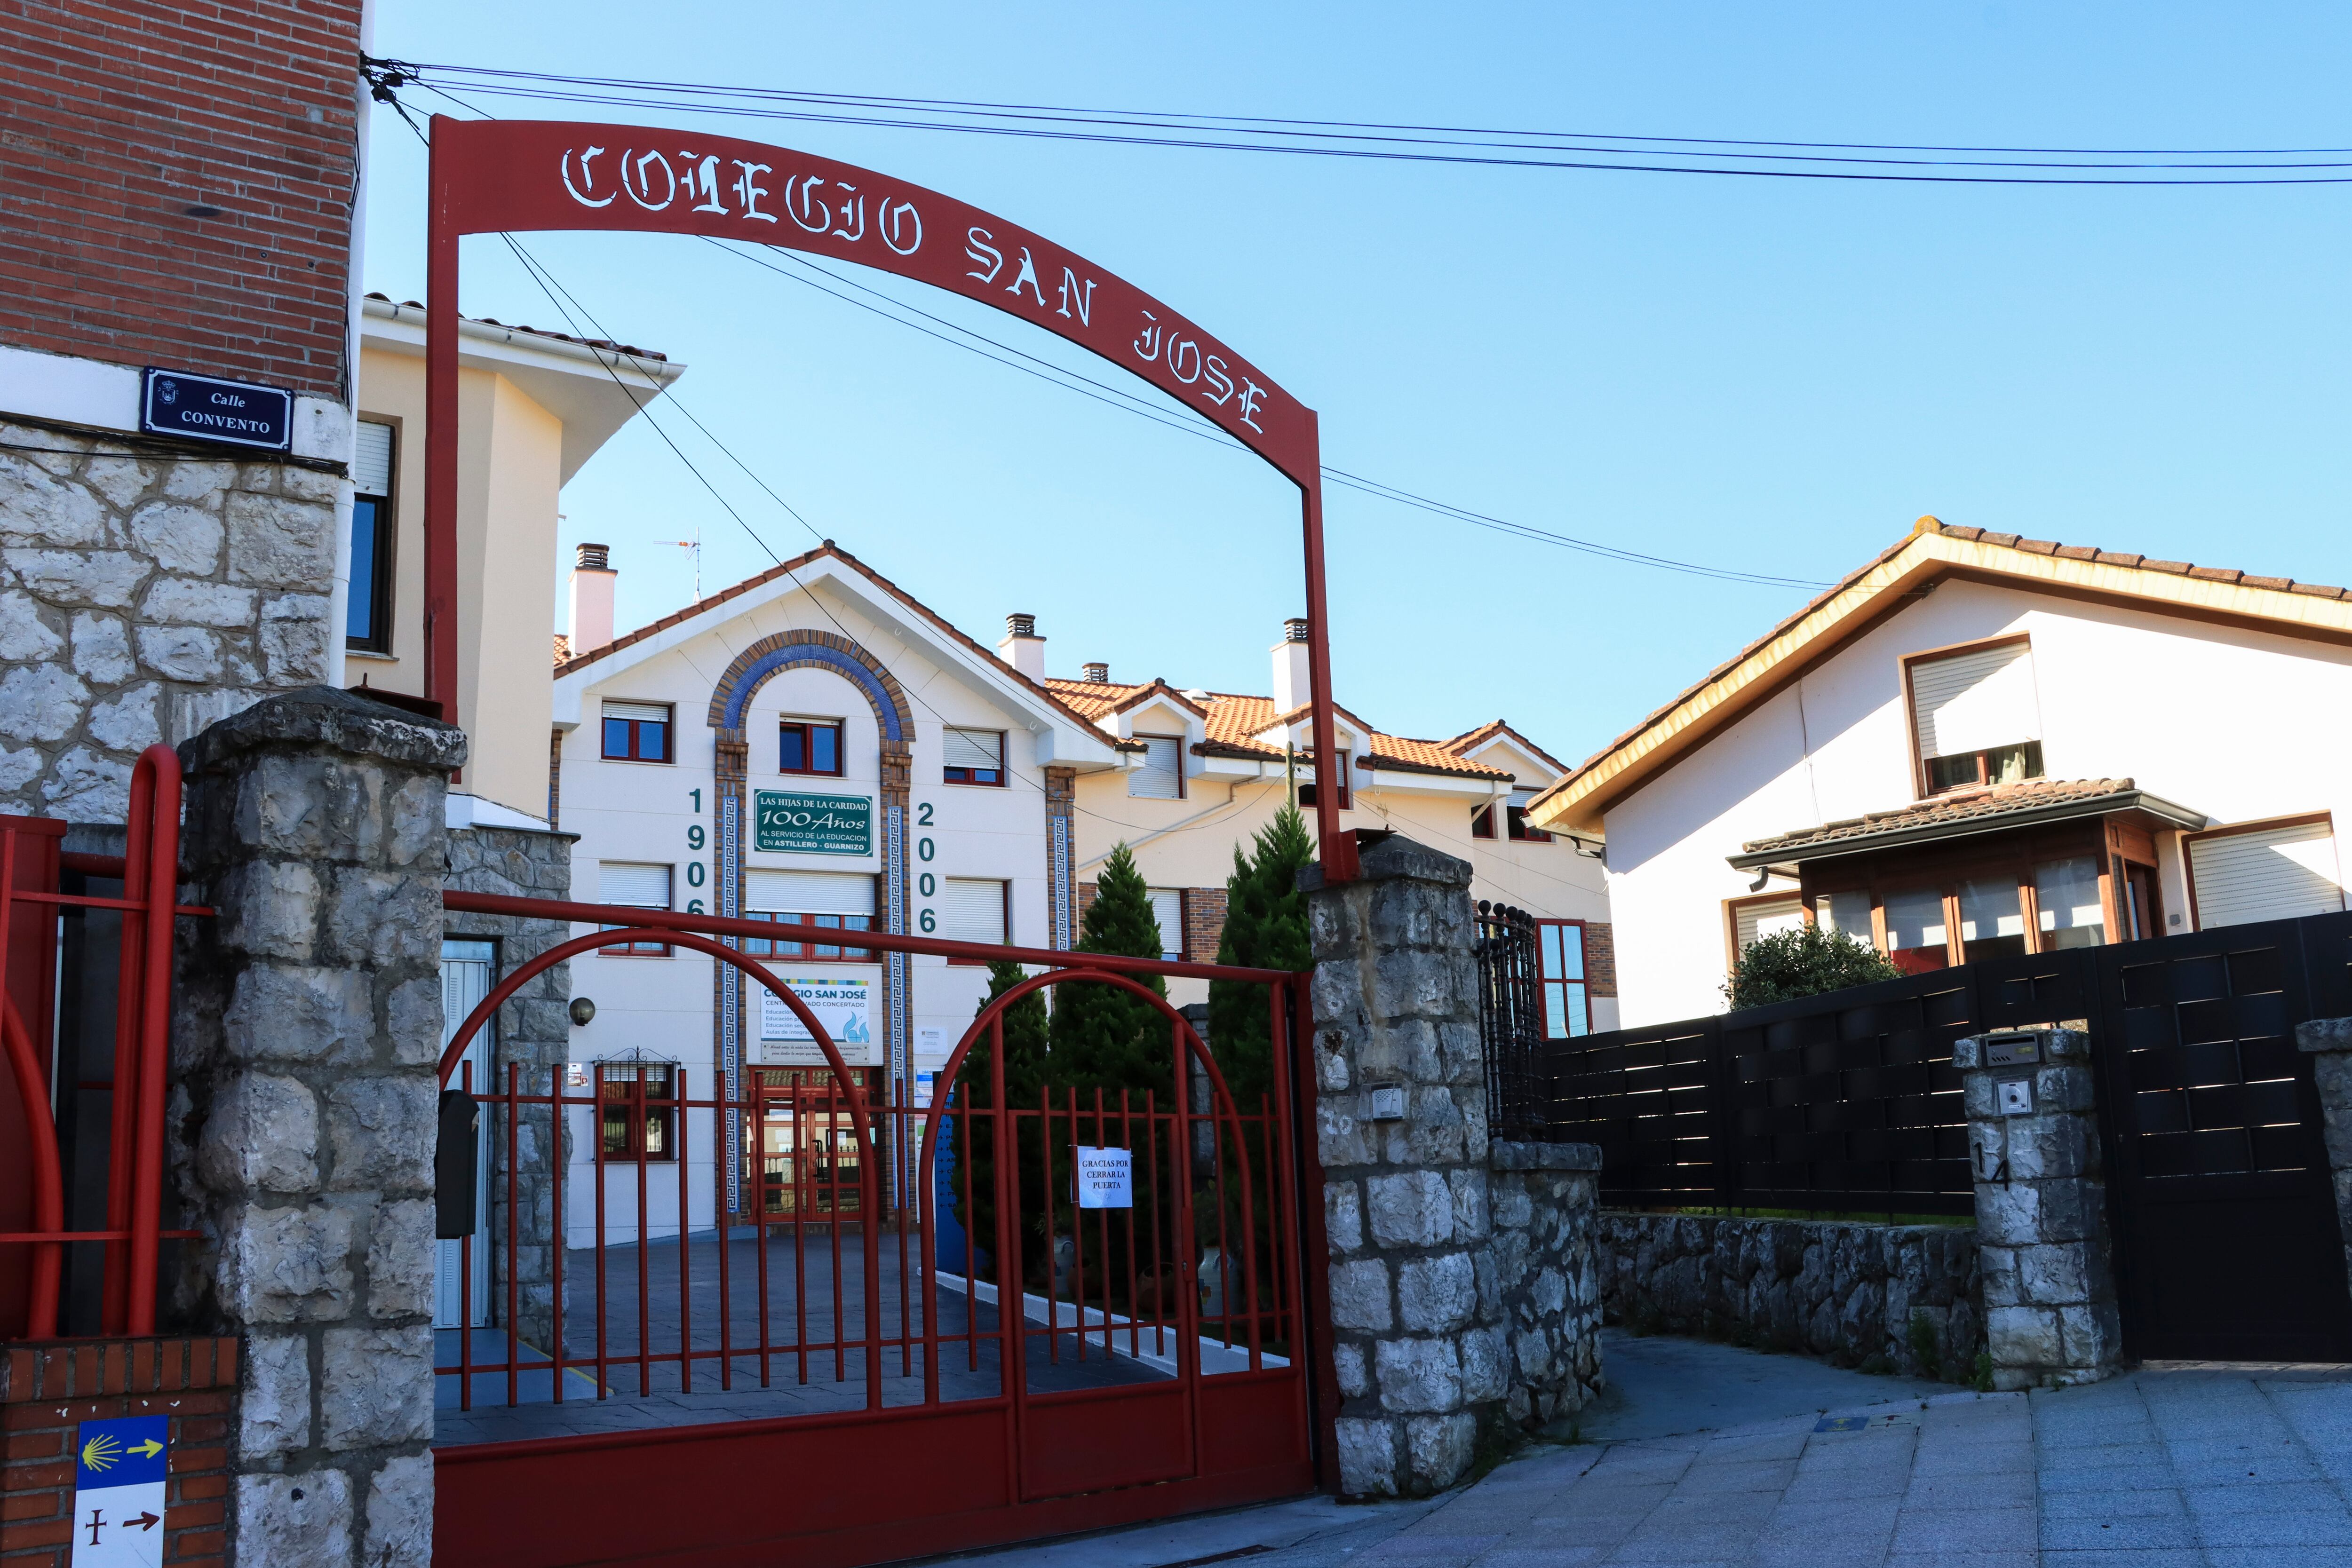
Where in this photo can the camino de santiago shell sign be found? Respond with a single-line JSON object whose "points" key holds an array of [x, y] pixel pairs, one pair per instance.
{"points": [[783, 821]]}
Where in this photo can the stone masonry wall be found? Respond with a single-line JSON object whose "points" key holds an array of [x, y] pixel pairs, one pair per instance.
{"points": [[534, 1033], [1425, 1330], [1851, 1292], [145, 593], [1542, 1269], [302, 1114]]}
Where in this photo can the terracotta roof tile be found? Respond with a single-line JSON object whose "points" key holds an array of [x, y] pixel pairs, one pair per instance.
{"points": [[2117, 558], [1975, 806], [2177, 567], [2215, 574], [1233, 722], [2078, 552], [562, 648], [2039, 547], [2278, 584]]}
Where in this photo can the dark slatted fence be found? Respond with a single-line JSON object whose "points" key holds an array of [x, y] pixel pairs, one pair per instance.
{"points": [[1844, 1103]]}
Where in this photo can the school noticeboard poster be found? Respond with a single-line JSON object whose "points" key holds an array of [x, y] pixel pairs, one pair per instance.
{"points": [[845, 1009], [813, 824]]}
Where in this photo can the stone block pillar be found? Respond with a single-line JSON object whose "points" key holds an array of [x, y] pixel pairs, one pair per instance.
{"points": [[2329, 1042], [302, 1112], [2051, 1316], [1424, 1319]]}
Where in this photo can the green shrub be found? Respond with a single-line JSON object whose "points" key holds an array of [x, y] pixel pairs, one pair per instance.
{"points": [[1804, 962], [1924, 1349], [1984, 1372]]}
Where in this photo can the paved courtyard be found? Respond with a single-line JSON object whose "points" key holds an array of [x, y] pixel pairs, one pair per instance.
{"points": [[2172, 1467]]}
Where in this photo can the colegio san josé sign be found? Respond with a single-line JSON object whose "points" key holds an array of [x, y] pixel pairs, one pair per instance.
{"points": [[493, 175]]}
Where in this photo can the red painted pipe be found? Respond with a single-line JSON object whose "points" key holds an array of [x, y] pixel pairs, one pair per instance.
{"points": [[48, 1181]]}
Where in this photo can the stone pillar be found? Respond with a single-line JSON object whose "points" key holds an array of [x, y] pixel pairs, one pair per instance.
{"points": [[2329, 1042], [302, 1112], [532, 1034], [2051, 1316], [1421, 1355]]}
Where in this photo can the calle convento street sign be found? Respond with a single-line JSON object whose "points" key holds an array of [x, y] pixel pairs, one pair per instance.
{"points": [[503, 175]]}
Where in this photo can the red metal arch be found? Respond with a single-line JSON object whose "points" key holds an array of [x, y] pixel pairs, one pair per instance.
{"points": [[506, 175]]}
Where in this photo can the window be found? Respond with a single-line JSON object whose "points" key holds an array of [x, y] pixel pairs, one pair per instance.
{"points": [[1992, 919], [974, 757], [1976, 716], [1306, 792], [974, 909], [637, 732], [817, 903], [634, 885], [1520, 829], [636, 1125], [1766, 917], [1848, 913], [1917, 937], [809, 745], [2066, 900], [1160, 774], [367, 617], [2264, 871], [1168, 909], [1559, 958], [1482, 822]]}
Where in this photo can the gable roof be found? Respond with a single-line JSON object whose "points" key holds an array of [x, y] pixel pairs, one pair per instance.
{"points": [[1501, 729], [828, 550], [1234, 722], [1869, 595]]}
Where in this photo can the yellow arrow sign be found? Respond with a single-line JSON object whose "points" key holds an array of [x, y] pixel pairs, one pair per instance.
{"points": [[151, 1447]]}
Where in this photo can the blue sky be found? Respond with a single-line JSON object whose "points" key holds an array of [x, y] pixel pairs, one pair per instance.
{"points": [[1774, 376]]}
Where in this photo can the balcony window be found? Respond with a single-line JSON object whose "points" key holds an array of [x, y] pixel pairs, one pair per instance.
{"points": [[2066, 904]]}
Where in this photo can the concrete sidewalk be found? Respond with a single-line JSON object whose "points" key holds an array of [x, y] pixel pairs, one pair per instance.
{"points": [[2171, 1467]]}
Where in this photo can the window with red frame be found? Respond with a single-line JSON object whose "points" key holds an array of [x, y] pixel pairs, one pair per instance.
{"points": [[637, 732], [634, 885], [809, 745], [633, 1123], [808, 940], [1482, 822], [1520, 829], [1306, 792], [1559, 961], [974, 757]]}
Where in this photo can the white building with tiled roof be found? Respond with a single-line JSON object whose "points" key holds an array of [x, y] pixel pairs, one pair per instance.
{"points": [[1202, 773], [1981, 745], [816, 749]]}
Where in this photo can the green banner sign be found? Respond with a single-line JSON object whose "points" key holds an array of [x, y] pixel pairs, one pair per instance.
{"points": [[813, 824]]}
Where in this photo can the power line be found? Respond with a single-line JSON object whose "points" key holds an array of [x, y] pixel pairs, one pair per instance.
{"points": [[1364, 140], [1125, 401]]}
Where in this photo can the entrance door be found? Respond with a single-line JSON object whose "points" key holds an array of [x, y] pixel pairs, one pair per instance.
{"points": [[2227, 1246], [467, 972]]}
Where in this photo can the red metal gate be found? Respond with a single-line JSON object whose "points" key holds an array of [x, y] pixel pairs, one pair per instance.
{"points": [[790, 1372]]}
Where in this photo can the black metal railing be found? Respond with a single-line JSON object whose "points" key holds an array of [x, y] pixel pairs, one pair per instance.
{"points": [[1510, 1023]]}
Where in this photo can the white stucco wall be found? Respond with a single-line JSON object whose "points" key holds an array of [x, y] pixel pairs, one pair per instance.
{"points": [[2232, 722]]}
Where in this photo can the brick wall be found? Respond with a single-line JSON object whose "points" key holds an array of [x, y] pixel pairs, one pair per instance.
{"points": [[1204, 923], [46, 1391], [119, 118], [1600, 960]]}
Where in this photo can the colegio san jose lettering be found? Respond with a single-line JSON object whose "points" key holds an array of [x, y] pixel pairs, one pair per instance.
{"points": [[767, 207]]}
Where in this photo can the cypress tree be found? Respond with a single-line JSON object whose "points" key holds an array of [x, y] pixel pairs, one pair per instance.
{"points": [[1266, 928], [975, 1137], [1105, 1037]]}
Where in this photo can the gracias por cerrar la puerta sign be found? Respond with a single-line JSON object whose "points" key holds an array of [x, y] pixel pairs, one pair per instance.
{"points": [[813, 824]]}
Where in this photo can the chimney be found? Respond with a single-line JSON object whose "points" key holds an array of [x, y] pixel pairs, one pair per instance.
{"points": [[1023, 648], [1098, 674], [591, 599], [1290, 684]]}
